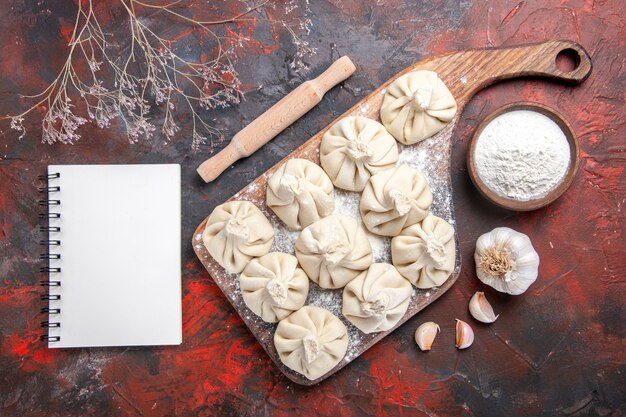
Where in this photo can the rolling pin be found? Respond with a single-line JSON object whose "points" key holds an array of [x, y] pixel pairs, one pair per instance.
{"points": [[282, 114]]}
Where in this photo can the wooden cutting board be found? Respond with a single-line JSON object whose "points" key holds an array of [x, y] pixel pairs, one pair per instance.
{"points": [[464, 73]]}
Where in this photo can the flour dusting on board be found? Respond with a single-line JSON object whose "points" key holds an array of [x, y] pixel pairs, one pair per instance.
{"points": [[430, 157]]}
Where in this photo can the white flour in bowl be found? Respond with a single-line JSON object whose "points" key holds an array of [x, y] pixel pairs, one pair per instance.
{"points": [[522, 155]]}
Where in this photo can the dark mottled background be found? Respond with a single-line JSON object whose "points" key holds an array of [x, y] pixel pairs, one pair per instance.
{"points": [[559, 349]]}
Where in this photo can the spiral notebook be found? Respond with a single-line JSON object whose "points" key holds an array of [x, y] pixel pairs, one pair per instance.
{"points": [[113, 255]]}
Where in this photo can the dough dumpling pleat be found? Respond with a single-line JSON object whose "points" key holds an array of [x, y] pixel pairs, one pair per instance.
{"points": [[236, 232], [416, 106], [273, 286], [377, 299], [395, 199], [333, 250], [425, 253], [355, 148], [300, 193], [311, 341]]}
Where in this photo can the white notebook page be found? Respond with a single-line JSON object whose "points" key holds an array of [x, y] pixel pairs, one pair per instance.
{"points": [[120, 255]]}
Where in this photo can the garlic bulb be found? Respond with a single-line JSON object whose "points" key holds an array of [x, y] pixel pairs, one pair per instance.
{"points": [[506, 260], [480, 308], [425, 335], [464, 335]]}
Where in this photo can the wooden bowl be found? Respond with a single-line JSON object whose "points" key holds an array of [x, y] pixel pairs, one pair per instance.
{"points": [[517, 205]]}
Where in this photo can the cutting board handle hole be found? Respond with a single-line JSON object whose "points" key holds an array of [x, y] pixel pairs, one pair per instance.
{"points": [[567, 60]]}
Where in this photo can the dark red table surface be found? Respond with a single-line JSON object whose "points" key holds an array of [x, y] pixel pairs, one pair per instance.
{"points": [[558, 349]]}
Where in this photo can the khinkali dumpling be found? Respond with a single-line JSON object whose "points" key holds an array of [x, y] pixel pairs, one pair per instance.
{"points": [[236, 232], [300, 193], [311, 341], [425, 252], [416, 106], [273, 286], [394, 199], [355, 148], [333, 250], [377, 299]]}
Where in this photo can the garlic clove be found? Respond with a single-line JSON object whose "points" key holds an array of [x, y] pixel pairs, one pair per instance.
{"points": [[480, 308], [425, 335], [464, 335]]}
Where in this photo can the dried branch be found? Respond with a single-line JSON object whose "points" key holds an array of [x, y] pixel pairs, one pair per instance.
{"points": [[151, 73]]}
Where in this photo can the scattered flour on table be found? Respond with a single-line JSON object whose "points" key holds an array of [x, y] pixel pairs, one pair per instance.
{"points": [[522, 155]]}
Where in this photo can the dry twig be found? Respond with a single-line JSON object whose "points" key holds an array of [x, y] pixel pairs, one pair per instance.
{"points": [[151, 73]]}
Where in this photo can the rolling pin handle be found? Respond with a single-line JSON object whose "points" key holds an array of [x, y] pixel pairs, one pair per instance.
{"points": [[213, 167], [339, 71]]}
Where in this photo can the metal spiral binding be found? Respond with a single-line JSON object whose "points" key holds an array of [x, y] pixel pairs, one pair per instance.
{"points": [[49, 242], [46, 338], [48, 203], [47, 269], [49, 176], [44, 297], [49, 189]]}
